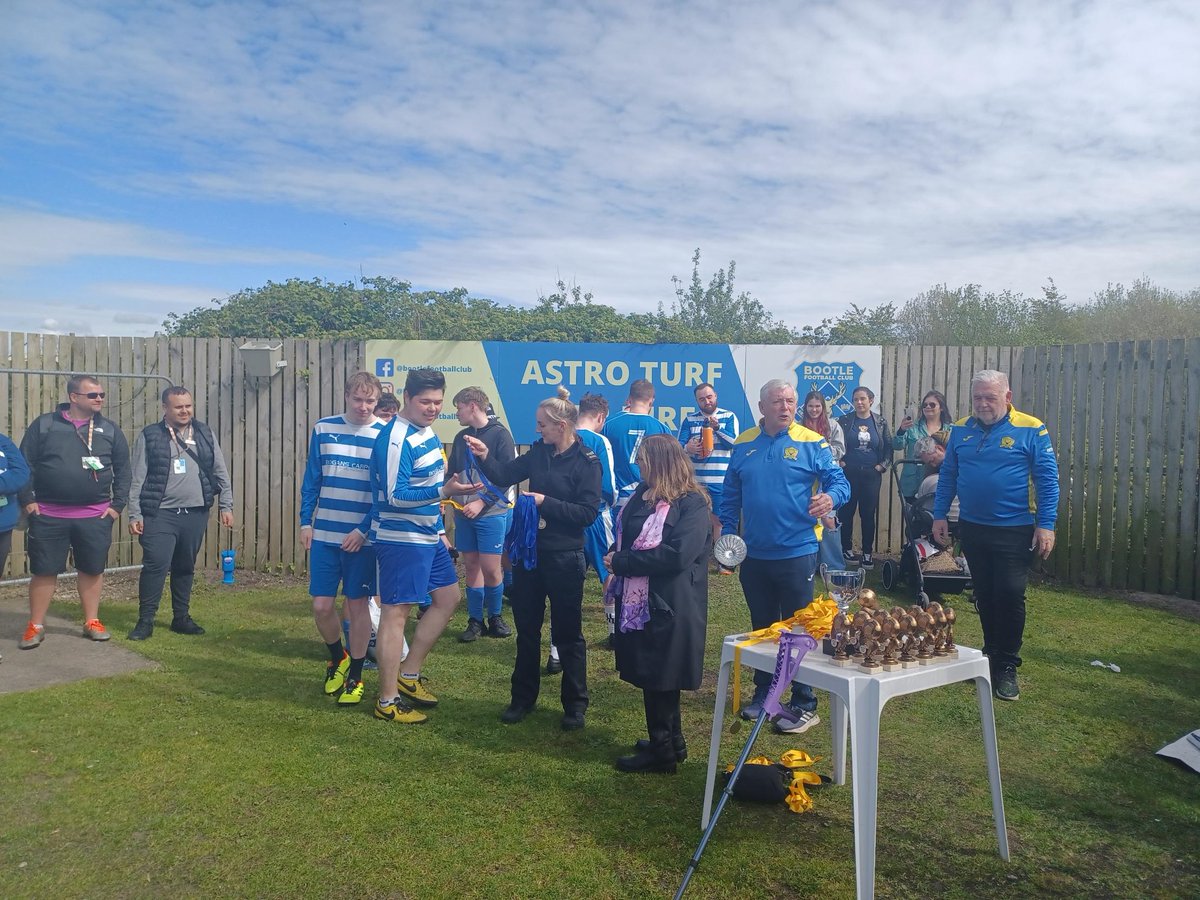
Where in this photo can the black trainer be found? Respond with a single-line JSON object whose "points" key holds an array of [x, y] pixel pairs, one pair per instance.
{"points": [[553, 665], [514, 714], [680, 749], [473, 630], [572, 721], [1004, 684], [497, 627], [142, 630], [867, 561], [186, 625]]}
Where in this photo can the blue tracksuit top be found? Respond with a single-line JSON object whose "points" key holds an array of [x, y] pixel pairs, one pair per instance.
{"points": [[770, 483], [1003, 475]]}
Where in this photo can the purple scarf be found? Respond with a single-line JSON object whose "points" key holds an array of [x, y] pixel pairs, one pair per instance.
{"points": [[635, 589]]}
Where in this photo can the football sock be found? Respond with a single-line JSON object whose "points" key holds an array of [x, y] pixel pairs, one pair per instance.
{"points": [[356, 666], [475, 602], [493, 595], [336, 652]]}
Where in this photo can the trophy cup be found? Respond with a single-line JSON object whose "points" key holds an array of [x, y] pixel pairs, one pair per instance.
{"points": [[844, 586], [729, 550]]}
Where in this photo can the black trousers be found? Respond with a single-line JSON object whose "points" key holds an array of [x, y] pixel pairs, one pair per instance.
{"points": [[999, 557], [663, 722], [559, 579], [170, 541], [864, 497]]}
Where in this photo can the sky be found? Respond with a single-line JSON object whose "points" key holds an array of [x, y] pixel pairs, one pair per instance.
{"points": [[157, 156]]}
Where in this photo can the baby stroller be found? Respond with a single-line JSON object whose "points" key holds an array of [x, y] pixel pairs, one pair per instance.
{"points": [[929, 571]]}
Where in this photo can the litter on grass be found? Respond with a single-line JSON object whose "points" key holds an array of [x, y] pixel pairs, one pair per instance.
{"points": [[1104, 665]]}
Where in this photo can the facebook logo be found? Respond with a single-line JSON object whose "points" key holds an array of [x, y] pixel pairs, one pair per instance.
{"points": [[384, 368]]}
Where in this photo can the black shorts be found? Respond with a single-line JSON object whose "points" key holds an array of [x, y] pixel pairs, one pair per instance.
{"points": [[49, 537]]}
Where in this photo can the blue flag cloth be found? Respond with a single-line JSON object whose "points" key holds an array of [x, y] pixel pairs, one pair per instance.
{"points": [[521, 541]]}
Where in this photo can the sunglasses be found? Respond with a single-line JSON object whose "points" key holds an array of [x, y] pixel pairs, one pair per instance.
{"points": [[91, 395], [933, 405]]}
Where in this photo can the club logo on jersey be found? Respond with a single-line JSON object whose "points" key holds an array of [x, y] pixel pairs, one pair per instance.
{"points": [[1006, 442], [790, 453], [835, 381]]}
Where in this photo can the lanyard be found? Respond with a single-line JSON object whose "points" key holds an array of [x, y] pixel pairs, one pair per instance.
{"points": [[177, 440], [491, 495], [88, 442]]}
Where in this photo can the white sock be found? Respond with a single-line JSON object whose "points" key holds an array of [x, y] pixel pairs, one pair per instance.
{"points": [[553, 652]]}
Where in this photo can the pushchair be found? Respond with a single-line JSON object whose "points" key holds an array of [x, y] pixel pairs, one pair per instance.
{"points": [[929, 571]]}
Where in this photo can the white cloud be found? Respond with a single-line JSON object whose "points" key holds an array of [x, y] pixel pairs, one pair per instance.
{"points": [[843, 152]]}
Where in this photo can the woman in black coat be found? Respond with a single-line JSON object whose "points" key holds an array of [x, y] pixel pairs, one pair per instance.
{"points": [[564, 484], [659, 641]]}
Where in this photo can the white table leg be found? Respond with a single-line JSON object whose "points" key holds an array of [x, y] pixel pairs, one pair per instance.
{"points": [[714, 744], [991, 749], [839, 725], [864, 747]]}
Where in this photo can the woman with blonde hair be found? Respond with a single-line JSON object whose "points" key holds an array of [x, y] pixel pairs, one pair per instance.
{"points": [[563, 498], [661, 557]]}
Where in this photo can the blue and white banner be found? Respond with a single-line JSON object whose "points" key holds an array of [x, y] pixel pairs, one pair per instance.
{"points": [[517, 377]]}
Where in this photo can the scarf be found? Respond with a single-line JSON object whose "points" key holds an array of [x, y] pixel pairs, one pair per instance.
{"points": [[635, 589]]}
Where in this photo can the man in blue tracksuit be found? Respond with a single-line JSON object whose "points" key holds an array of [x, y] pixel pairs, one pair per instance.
{"points": [[1000, 464], [781, 480]]}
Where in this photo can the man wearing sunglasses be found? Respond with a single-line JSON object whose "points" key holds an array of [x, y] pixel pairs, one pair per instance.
{"points": [[80, 485]]}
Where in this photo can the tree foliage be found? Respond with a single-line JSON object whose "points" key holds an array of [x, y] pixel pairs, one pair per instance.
{"points": [[700, 312], [389, 308]]}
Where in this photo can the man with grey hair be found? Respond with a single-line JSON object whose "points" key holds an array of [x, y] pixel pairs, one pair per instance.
{"points": [[1000, 464], [771, 486]]}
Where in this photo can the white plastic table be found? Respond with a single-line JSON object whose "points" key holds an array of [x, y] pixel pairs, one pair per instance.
{"points": [[857, 700]]}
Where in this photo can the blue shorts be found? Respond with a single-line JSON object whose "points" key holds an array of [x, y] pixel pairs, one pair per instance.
{"points": [[484, 535], [597, 538], [409, 572], [329, 565]]}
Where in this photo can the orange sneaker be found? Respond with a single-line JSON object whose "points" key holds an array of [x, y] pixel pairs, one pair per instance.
{"points": [[93, 630], [33, 636]]}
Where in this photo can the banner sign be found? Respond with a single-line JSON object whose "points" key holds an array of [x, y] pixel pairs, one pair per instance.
{"points": [[519, 376]]}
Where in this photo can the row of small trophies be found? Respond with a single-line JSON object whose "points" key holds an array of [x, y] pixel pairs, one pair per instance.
{"points": [[887, 640]]}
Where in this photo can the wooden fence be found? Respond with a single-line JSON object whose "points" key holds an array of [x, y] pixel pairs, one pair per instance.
{"points": [[261, 424], [1123, 419]]}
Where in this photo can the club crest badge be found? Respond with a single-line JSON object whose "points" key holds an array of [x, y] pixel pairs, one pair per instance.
{"points": [[1006, 442], [790, 453], [835, 381]]}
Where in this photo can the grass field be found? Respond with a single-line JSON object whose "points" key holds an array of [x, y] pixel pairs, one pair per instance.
{"points": [[226, 772]]}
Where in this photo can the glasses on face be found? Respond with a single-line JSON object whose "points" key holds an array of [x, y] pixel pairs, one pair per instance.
{"points": [[932, 405], [91, 395]]}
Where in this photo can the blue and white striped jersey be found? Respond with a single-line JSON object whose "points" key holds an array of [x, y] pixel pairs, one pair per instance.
{"points": [[335, 496], [710, 471], [408, 469]]}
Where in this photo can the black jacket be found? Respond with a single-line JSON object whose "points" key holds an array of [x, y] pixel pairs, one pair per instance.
{"points": [[571, 483], [158, 464], [668, 654], [494, 435], [55, 452]]}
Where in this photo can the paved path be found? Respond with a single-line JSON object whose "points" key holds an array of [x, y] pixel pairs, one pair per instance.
{"points": [[65, 656]]}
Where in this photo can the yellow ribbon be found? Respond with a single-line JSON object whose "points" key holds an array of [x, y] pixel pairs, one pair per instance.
{"points": [[797, 799], [816, 619], [795, 759]]}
